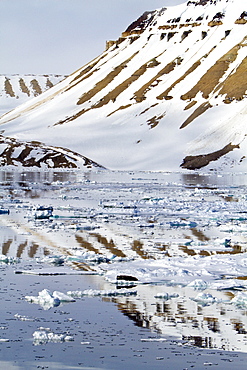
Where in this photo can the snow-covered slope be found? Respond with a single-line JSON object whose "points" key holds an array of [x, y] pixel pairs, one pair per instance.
{"points": [[17, 89], [170, 92]]}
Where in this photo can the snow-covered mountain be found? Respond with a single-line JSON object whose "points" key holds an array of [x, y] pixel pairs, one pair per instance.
{"points": [[169, 93], [17, 89]]}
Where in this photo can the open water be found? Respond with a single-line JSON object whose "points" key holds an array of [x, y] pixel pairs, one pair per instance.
{"points": [[103, 218]]}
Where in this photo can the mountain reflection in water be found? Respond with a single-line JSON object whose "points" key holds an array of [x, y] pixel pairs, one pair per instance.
{"points": [[139, 216]]}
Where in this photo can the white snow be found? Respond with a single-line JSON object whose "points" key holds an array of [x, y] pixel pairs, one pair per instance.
{"points": [[124, 139]]}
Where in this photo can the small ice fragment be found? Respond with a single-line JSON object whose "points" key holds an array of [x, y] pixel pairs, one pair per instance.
{"points": [[240, 299], [23, 318], [54, 260], [68, 338], [42, 212], [8, 260], [45, 329], [62, 297], [153, 340], [44, 299], [88, 257], [198, 284], [43, 337], [205, 299], [45, 293]]}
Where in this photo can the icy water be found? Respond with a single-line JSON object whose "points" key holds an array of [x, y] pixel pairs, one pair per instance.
{"points": [[65, 299]]}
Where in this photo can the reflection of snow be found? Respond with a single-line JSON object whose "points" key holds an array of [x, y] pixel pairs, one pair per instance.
{"points": [[209, 319], [139, 226], [102, 293]]}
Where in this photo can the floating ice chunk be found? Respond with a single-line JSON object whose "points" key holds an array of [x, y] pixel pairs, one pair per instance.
{"points": [[205, 299], [153, 340], [89, 257], [46, 296], [62, 297], [42, 212], [166, 296], [229, 284], [102, 293], [198, 284], [8, 260], [48, 300], [54, 260], [44, 337], [23, 318], [44, 300], [240, 299], [181, 223]]}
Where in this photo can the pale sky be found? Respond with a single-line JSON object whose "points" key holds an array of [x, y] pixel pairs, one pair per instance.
{"points": [[60, 36]]}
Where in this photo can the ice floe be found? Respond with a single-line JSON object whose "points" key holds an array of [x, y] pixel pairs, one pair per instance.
{"points": [[42, 212], [198, 270], [48, 300], [45, 335], [240, 299], [205, 299], [8, 260]]}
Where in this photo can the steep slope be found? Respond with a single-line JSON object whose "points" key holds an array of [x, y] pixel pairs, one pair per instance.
{"points": [[17, 89], [35, 154], [169, 93]]}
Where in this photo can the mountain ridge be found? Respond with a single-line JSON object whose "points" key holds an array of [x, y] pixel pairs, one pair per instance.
{"points": [[16, 89], [170, 93]]}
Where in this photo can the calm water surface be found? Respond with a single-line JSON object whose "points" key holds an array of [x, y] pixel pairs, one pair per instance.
{"points": [[139, 215]]}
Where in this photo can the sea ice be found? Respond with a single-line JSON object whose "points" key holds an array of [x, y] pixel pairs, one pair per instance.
{"points": [[198, 284], [44, 336], [158, 340], [42, 212], [205, 299], [48, 300], [62, 297], [240, 299], [8, 260]]}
